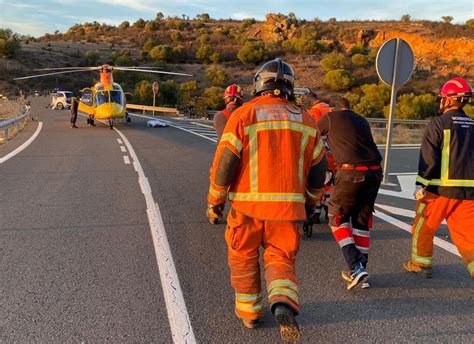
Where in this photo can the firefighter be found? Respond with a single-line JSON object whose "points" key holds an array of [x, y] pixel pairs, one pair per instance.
{"points": [[445, 182], [73, 109], [357, 182], [233, 98], [318, 108], [269, 162]]}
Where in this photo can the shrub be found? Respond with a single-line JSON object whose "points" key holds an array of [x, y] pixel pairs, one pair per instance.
{"points": [[187, 92], [333, 61], [410, 106], [151, 26], [470, 23], [204, 53], [217, 76], [162, 53], [246, 23], [213, 98], [143, 93], [140, 23], [122, 59], [9, 43], [406, 18], [123, 25], [175, 23], [447, 19], [150, 44], [360, 60], [168, 94], [180, 53], [357, 49], [469, 110], [252, 52], [91, 58], [338, 79], [176, 36], [371, 100]]}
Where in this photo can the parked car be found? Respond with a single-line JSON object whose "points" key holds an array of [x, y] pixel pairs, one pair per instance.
{"points": [[61, 100]]}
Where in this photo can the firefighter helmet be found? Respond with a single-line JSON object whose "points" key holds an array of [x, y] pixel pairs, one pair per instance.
{"points": [[234, 91], [274, 75], [456, 88]]}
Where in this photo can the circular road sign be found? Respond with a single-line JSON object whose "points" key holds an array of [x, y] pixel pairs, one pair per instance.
{"points": [[156, 87], [395, 62]]}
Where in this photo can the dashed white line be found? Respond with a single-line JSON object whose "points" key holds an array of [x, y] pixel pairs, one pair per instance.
{"points": [[126, 160], [123, 149], [24, 145], [406, 227], [180, 324], [119, 142]]}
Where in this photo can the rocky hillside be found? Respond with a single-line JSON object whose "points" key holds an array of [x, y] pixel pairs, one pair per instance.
{"points": [[332, 57]]}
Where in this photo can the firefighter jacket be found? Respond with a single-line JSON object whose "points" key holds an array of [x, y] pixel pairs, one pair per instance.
{"points": [[266, 161], [446, 165], [319, 110]]}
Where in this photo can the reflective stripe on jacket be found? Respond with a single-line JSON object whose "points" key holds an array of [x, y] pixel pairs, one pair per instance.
{"points": [[277, 144], [446, 165]]}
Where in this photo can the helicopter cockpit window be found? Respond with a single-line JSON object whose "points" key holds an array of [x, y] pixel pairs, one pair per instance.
{"points": [[87, 97], [116, 97], [101, 98]]}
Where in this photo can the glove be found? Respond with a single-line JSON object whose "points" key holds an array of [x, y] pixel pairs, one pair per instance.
{"points": [[215, 212], [419, 193]]}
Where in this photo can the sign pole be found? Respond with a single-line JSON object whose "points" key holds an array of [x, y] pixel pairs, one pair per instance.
{"points": [[393, 103], [154, 100]]}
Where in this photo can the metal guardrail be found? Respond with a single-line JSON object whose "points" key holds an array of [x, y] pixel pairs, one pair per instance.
{"points": [[10, 127], [152, 108]]}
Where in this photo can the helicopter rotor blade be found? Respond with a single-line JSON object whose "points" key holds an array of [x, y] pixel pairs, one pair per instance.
{"points": [[47, 74], [66, 68], [150, 71]]}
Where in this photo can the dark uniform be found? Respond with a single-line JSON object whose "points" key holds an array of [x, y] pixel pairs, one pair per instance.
{"points": [[357, 182], [74, 108]]}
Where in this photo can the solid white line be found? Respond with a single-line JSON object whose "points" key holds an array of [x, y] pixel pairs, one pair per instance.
{"points": [[119, 142], [181, 329], [203, 125], [24, 145], [126, 160], [177, 127], [123, 149], [406, 227]]}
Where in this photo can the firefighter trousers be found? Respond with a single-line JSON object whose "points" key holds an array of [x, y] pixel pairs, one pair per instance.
{"points": [[350, 213], [280, 241], [430, 212]]}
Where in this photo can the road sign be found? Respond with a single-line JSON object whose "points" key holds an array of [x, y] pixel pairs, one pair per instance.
{"points": [[156, 87], [395, 62]]}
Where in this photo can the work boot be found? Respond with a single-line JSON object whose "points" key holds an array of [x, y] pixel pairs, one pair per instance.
{"points": [[426, 272], [251, 324], [289, 330], [347, 276], [358, 276]]}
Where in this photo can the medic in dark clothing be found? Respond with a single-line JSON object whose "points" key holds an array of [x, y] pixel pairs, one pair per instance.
{"points": [[357, 182], [445, 182], [74, 108]]}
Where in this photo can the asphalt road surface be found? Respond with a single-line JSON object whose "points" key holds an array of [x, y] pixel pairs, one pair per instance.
{"points": [[80, 240]]}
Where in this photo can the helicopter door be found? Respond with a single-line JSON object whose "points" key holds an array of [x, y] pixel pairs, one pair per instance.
{"points": [[86, 103]]}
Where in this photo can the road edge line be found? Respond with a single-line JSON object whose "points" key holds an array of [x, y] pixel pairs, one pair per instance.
{"points": [[23, 146], [178, 317], [406, 227]]}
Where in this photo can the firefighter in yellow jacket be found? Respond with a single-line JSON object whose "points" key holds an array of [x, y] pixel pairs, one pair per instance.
{"points": [[269, 162]]}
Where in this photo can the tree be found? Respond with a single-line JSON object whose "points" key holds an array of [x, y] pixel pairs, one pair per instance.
{"points": [[9, 43], [338, 79], [143, 93], [151, 26], [140, 23], [160, 16], [176, 36], [217, 76], [91, 58], [123, 25], [410, 106], [360, 60], [187, 92], [252, 53], [447, 19], [470, 23], [370, 100], [333, 61], [162, 53], [213, 98], [204, 53], [203, 16], [168, 94], [406, 18]]}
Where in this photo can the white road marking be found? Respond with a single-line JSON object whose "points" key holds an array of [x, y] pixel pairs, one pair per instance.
{"points": [[406, 227], [119, 142], [24, 145], [123, 149], [180, 324], [204, 125], [126, 160], [403, 174], [407, 184], [177, 127], [400, 211]]}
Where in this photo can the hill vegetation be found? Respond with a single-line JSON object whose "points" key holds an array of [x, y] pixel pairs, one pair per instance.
{"points": [[331, 57]]}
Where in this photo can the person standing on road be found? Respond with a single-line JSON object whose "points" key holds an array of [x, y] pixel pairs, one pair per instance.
{"points": [[445, 182], [269, 162], [357, 182], [73, 109], [233, 98]]}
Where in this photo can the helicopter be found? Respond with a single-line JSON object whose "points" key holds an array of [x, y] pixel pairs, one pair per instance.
{"points": [[106, 99]]}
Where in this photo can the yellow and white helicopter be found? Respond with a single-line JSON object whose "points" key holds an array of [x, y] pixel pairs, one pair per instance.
{"points": [[106, 99]]}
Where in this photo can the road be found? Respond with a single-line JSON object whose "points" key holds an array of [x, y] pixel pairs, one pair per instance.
{"points": [[80, 237]]}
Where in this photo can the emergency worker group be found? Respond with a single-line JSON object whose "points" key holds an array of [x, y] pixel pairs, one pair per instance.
{"points": [[280, 167]]}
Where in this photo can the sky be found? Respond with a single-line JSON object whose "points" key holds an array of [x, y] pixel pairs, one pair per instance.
{"points": [[37, 17]]}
